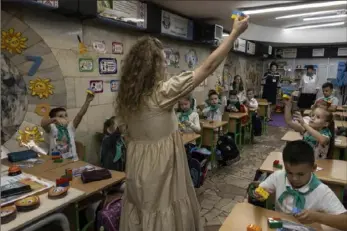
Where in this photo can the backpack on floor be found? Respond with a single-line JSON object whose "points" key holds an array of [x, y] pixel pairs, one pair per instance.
{"points": [[113, 152], [197, 163], [257, 125], [228, 150], [259, 176], [108, 218]]}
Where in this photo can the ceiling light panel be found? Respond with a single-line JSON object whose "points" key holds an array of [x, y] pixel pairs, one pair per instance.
{"points": [[325, 12], [295, 7], [326, 17], [315, 26]]}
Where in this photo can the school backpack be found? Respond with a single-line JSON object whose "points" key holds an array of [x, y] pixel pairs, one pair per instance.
{"points": [[228, 150], [108, 218], [257, 125], [113, 152], [197, 162]]}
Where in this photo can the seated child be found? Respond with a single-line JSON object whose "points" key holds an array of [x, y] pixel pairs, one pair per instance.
{"points": [[62, 131], [251, 102], [332, 101], [233, 104], [318, 131], [212, 112], [187, 118], [297, 187], [252, 105], [207, 101]]}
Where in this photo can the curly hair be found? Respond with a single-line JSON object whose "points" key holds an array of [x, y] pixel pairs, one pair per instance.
{"points": [[143, 67]]}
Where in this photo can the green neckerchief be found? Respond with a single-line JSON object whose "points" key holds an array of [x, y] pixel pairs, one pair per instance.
{"points": [[119, 152], [62, 131], [214, 108], [184, 116], [299, 197]]}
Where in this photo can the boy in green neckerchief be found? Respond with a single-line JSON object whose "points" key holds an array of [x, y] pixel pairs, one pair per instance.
{"points": [[301, 193]]}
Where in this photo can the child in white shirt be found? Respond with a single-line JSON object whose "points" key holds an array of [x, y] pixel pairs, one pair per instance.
{"points": [[213, 112], [251, 102], [188, 119], [297, 187]]}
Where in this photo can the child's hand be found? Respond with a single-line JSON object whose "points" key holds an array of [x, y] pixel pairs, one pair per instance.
{"points": [[235, 109], [306, 217], [298, 117], [187, 123], [90, 97], [287, 102]]}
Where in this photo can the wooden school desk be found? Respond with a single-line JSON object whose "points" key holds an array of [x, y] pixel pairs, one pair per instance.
{"points": [[337, 114], [244, 214], [291, 136], [263, 111], [234, 123], [190, 137], [47, 206], [209, 138], [340, 124], [334, 172]]}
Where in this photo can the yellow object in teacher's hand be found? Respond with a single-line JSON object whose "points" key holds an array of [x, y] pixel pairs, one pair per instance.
{"points": [[285, 96], [236, 14]]}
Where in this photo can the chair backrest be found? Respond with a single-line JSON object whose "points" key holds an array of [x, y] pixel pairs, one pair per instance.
{"points": [[81, 150]]}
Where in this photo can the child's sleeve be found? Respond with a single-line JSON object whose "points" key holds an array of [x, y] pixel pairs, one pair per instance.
{"points": [[253, 104], [334, 101], [329, 203], [270, 183], [196, 123], [205, 111]]}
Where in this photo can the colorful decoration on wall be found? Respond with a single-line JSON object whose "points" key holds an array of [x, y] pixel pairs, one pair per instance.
{"points": [[114, 85], [117, 48], [37, 63], [97, 86], [42, 109], [29, 134], [219, 86], [191, 58], [82, 48], [13, 41], [99, 46], [172, 57], [86, 64], [107, 66], [41, 87]]}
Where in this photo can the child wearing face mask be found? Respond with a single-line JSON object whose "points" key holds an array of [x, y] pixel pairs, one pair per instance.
{"points": [[188, 119], [233, 104], [318, 130]]}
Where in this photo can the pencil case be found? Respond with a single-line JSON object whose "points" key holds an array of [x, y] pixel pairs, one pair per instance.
{"points": [[20, 156], [95, 175]]}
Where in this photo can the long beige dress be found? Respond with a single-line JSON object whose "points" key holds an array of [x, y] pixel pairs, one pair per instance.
{"points": [[159, 194]]}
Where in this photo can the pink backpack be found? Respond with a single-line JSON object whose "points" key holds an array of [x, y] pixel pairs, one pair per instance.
{"points": [[108, 218]]}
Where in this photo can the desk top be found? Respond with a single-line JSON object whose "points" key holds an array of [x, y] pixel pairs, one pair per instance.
{"points": [[77, 183], [333, 172], [340, 123], [341, 108], [190, 137], [260, 103], [237, 115], [291, 136], [244, 214], [47, 206], [212, 124]]}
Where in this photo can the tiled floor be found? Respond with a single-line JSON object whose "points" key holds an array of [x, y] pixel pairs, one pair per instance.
{"points": [[227, 186]]}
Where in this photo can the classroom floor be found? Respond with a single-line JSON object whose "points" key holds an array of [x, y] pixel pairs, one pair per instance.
{"points": [[227, 186]]}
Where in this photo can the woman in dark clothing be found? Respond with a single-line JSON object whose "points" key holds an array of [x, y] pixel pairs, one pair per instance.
{"points": [[271, 79]]}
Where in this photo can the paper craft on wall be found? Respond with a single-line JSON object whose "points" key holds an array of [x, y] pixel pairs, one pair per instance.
{"points": [[107, 66], [114, 85], [191, 58], [41, 87], [86, 64], [99, 46], [37, 63], [172, 57], [82, 48], [117, 48], [97, 86], [42, 109], [13, 41], [29, 134]]}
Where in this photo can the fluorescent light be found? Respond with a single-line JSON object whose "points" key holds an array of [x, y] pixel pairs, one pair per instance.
{"points": [[225, 35], [295, 7], [133, 19], [315, 26], [307, 14], [326, 17]]}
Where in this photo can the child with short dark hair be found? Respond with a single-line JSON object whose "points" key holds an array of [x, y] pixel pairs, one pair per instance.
{"points": [[208, 101], [62, 131], [297, 187], [251, 102], [188, 119], [332, 101], [233, 103], [213, 112]]}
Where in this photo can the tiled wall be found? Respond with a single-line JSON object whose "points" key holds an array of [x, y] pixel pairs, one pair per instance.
{"points": [[54, 38]]}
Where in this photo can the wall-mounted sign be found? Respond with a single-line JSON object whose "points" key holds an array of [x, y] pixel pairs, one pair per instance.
{"points": [[52, 3], [86, 64], [117, 48], [318, 52], [342, 51], [107, 66], [99, 46], [172, 57], [286, 53], [130, 12], [97, 86], [175, 25], [114, 85], [191, 58], [250, 48], [240, 45], [269, 51]]}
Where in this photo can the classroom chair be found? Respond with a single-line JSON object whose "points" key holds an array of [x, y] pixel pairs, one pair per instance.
{"points": [[81, 150], [56, 218]]}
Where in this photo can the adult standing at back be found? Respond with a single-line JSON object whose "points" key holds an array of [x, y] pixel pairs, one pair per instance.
{"points": [[308, 88], [159, 193], [270, 88]]}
